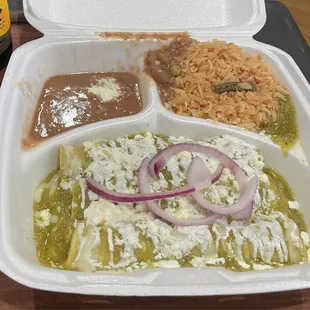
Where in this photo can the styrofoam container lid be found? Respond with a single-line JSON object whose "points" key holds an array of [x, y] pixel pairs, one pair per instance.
{"points": [[243, 17]]}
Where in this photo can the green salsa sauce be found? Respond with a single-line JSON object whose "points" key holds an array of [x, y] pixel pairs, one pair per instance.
{"points": [[53, 241], [284, 131], [284, 194]]}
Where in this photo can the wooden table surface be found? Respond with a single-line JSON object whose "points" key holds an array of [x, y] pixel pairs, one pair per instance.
{"points": [[15, 296], [300, 10]]}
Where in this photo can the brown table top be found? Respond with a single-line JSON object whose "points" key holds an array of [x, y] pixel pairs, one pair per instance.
{"points": [[15, 296]]}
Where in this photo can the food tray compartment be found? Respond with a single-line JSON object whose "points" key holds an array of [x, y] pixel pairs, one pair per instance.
{"points": [[23, 170], [284, 69], [69, 57], [161, 281]]}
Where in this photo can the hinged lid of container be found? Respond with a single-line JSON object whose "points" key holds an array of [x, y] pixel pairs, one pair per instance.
{"points": [[234, 17]]}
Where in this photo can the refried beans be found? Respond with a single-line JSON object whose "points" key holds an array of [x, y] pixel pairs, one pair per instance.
{"points": [[73, 100]]}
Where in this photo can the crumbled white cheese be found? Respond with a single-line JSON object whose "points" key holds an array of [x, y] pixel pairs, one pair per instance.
{"points": [[104, 210], [94, 215], [107, 89], [293, 205], [168, 264], [115, 166], [305, 237], [92, 195], [66, 184], [95, 264], [43, 218], [186, 208]]}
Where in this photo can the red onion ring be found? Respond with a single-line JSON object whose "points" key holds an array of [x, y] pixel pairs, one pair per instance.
{"points": [[199, 177], [144, 185], [104, 192], [246, 196], [200, 172], [160, 159], [246, 212]]}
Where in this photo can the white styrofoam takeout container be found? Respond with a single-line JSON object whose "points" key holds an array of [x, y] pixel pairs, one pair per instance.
{"points": [[71, 45]]}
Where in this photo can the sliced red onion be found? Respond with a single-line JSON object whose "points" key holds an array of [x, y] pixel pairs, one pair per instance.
{"points": [[199, 177], [246, 212], [201, 172], [247, 190], [206, 178], [104, 192], [144, 185], [160, 159]]}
